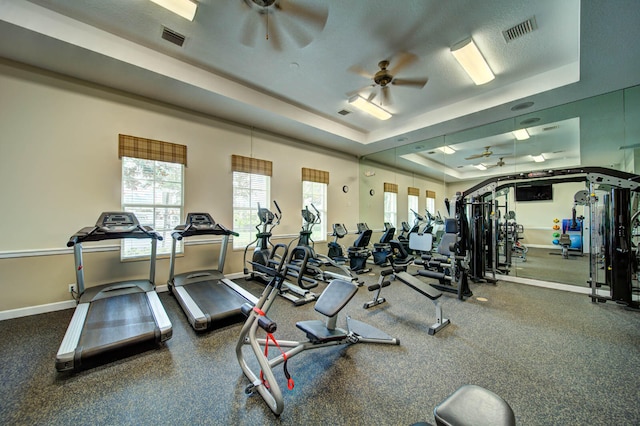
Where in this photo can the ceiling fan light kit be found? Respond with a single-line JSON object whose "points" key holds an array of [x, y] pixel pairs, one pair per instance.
{"points": [[185, 8], [470, 58], [370, 108]]}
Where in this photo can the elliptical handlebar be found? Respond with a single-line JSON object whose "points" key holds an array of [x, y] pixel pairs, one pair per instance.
{"points": [[417, 217]]}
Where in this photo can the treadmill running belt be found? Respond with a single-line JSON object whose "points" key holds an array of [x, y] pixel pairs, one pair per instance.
{"points": [[117, 321], [216, 299]]}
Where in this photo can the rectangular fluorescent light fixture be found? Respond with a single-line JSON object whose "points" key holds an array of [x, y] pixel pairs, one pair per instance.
{"points": [[184, 8], [521, 134], [469, 57], [480, 166], [447, 149], [538, 158], [370, 108]]}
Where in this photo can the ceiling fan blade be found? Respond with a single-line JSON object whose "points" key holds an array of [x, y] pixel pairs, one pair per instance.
{"points": [[274, 34], [386, 96], [402, 61], [250, 28], [315, 16], [419, 83], [474, 156], [360, 71], [359, 91], [295, 30], [371, 96]]}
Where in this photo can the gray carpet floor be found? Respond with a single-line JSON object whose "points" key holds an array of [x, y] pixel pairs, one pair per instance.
{"points": [[554, 356]]}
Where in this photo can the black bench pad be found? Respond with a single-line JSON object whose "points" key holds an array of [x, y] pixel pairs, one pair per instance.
{"points": [[419, 286]]}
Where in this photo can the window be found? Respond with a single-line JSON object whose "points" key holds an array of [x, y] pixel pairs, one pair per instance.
{"points": [[152, 188], [431, 202], [391, 203], [314, 191], [251, 186], [412, 203]]}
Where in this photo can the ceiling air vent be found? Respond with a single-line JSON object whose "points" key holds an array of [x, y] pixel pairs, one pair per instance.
{"points": [[521, 29], [548, 129], [172, 36], [344, 112]]}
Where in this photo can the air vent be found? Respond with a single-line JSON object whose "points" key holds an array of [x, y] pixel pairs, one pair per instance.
{"points": [[344, 112], [529, 121], [172, 36], [521, 29], [548, 129]]}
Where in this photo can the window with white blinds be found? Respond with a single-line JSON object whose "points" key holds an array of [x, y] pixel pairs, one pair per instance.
{"points": [[153, 190], [249, 191]]}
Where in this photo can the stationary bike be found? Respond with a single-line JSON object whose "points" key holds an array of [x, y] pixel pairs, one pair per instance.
{"points": [[336, 251]]}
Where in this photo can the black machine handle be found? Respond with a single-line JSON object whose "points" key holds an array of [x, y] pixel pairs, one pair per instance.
{"points": [[72, 241], [275, 203]]}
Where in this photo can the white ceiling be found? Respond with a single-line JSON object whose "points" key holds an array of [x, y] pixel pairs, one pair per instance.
{"points": [[295, 83]]}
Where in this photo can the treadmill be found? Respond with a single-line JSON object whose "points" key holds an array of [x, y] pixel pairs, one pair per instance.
{"points": [[208, 298], [116, 319]]}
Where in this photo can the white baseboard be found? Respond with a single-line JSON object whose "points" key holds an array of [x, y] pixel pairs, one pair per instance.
{"points": [[34, 310], [69, 304], [545, 284]]}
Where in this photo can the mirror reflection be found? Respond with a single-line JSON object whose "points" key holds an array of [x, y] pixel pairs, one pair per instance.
{"points": [[542, 231]]}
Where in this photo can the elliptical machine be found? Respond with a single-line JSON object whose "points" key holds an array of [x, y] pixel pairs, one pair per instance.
{"points": [[317, 262], [266, 254], [263, 254]]}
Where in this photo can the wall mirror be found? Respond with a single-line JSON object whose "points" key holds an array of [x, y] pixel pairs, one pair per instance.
{"points": [[603, 131]]}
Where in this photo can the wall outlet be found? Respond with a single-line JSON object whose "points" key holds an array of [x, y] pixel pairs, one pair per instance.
{"points": [[72, 288]]}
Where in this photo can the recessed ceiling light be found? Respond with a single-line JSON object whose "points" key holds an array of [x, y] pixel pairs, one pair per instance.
{"points": [[185, 8], [447, 149], [419, 147], [402, 139], [521, 134], [523, 105]]}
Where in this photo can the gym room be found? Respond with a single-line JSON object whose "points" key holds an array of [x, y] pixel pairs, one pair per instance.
{"points": [[313, 212]]}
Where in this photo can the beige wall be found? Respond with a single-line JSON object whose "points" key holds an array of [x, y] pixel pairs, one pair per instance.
{"points": [[372, 206], [59, 169]]}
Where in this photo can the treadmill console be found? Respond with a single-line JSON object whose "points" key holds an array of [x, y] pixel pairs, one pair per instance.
{"points": [[200, 221], [109, 222]]}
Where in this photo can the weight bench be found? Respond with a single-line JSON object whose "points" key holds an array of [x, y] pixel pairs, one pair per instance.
{"points": [[420, 286]]}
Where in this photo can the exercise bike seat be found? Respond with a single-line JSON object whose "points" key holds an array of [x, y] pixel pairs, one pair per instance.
{"points": [[474, 405]]}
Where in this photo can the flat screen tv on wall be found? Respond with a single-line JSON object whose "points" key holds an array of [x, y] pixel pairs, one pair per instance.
{"points": [[534, 192]]}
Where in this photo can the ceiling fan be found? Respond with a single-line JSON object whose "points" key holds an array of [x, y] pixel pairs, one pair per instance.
{"points": [[500, 163], [486, 153], [386, 76], [298, 20]]}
